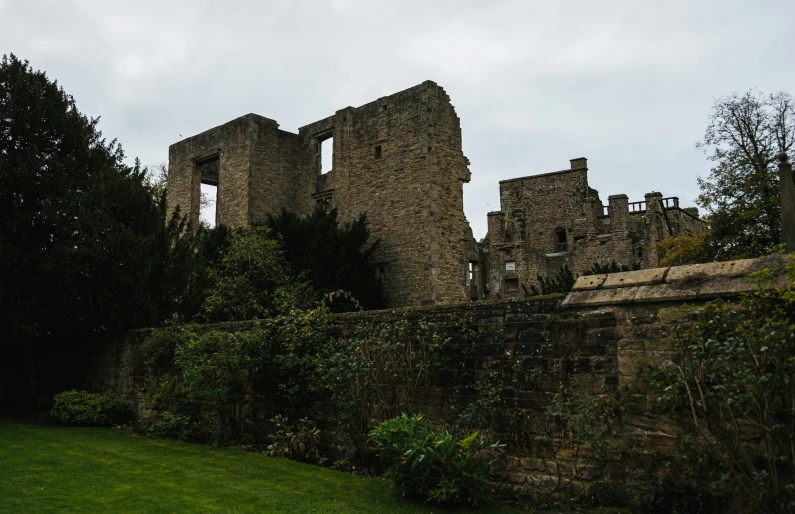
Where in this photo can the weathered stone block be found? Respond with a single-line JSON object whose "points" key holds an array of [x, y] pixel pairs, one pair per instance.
{"points": [[635, 278]]}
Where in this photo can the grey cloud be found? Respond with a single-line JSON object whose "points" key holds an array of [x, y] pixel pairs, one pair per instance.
{"points": [[626, 84]]}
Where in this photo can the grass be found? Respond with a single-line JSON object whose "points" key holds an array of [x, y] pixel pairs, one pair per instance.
{"points": [[52, 469]]}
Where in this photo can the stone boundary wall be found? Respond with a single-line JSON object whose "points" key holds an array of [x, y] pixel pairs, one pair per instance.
{"points": [[593, 341]]}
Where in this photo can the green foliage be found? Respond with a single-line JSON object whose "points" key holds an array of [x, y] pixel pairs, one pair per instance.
{"points": [[297, 441], [741, 193], [174, 426], [563, 279], [81, 408], [218, 369], [606, 494], [252, 279], [381, 372], [598, 268], [561, 282], [681, 250], [435, 465], [86, 246], [232, 379], [157, 349], [578, 426], [332, 257], [734, 384], [95, 470], [669, 496]]}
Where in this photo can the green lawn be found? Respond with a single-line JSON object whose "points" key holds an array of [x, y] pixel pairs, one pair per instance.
{"points": [[51, 469]]}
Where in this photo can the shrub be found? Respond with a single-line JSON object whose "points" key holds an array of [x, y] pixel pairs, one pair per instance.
{"points": [[681, 250], [365, 371], [174, 426], [81, 408], [675, 497], [217, 369], [297, 441], [731, 383], [252, 279], [435, 465]]}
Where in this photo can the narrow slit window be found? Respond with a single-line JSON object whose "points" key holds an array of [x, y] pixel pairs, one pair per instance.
{"points": [[561, 241], [327, 155], [377, 152]]}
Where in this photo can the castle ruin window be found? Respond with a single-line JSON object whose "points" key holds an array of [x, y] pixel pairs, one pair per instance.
{"points": [[326, 148], [324, 200], [377, 152], [209, 171], [510, 265], [511, 285], [470, 274], [561, 242]]}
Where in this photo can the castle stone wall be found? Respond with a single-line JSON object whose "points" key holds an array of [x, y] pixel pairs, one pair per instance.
{"points": [[556, 219], [398, 159], [592, 341]]}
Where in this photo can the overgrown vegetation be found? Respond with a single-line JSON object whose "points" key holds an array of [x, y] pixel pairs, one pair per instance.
{"points": [[681, 250], [563, 279], [733, 385], [298, 441], [331, 256], [81, 408], [436, 466]]}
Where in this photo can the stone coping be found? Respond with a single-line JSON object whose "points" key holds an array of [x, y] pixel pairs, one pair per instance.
{"points": [[677, 283]]}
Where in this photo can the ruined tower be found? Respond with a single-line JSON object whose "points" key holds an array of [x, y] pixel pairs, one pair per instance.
{"points": [[399, 159]]}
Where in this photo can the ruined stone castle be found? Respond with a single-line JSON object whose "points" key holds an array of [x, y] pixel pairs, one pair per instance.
{"points": [[400, 160]]}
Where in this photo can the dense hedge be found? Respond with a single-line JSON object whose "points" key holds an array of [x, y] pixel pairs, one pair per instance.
{"points": [[81, 408]]}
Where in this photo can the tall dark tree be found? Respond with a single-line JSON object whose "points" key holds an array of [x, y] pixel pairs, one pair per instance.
{"points": [[741, 194], [330, 255], [84, 243]]}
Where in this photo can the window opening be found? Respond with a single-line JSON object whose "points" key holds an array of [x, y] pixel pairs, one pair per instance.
{"points": [[511, 285], [209, 170], [209, 205], [378, 151], [326, 155], [510, 265], [470, 273], [560, 237]]}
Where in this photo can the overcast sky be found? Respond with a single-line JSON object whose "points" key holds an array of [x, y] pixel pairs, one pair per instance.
{"points": [[628, 85]]}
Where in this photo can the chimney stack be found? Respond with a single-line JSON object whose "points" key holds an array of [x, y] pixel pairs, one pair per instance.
{"points": [[579, 162]]}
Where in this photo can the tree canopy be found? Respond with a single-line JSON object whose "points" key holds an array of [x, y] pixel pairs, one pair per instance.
{"points": [[741, 194], [84, 243], [332, 256]]}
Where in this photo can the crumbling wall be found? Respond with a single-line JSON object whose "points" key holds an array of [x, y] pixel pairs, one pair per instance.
{"points": [[556, 219], [226, 149], [397, 159]]}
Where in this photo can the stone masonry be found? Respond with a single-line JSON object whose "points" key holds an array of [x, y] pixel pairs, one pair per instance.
{"points": [[593, 341], [555, 219], [398, 159]]}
